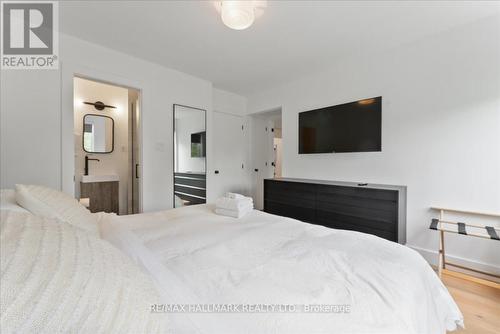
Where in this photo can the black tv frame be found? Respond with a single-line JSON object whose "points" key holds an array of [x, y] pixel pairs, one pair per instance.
{"points": [[339, 105]]}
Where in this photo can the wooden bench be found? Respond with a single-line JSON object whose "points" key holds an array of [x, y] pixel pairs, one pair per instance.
{"points": [[470, 229]]}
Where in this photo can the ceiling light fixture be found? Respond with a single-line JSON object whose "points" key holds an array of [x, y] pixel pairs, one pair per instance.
{"points": [[239, 15]]}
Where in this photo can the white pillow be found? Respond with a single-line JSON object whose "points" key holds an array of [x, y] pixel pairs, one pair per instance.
{"points": [[8, 201], [51, 203], [60, 279]]}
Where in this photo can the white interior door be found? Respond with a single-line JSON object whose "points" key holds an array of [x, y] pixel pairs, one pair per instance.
{"points": [[228, 157], [278, 153], [262, 157]]}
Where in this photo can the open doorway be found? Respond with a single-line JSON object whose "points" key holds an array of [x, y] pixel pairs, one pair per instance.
{"points": [[266, 151], [107, 146]]}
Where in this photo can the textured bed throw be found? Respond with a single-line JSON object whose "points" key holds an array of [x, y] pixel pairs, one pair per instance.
{"points": [[56, 278]]}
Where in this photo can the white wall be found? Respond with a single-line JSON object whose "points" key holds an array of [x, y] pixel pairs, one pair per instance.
{"points": [[230, 103], [30, 133], [160, 89], [116, 162], [36, 117], [440, 128]]}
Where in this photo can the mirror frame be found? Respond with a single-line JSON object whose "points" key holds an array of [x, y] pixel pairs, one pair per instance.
{"points": [[173, 144], [112, 137]]}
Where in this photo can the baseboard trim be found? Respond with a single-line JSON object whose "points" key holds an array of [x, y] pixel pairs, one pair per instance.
{"points": [[431, 256], [470, 278]]}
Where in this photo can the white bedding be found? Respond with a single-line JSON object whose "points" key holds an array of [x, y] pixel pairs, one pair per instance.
{"points": [[197, 256], [56, 278]]}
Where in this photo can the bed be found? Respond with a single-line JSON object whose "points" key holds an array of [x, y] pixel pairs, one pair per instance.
{"points": [[188, 270], [269, 274]]}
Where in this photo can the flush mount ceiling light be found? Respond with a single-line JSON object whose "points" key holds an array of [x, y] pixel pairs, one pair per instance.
{"points": [[239, 15]]}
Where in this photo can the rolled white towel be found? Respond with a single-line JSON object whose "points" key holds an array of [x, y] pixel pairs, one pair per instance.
{"points": [[234, 195], [233, 204], [233, 213]]}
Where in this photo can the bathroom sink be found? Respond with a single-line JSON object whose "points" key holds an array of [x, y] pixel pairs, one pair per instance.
{"points": [[99, 178]]}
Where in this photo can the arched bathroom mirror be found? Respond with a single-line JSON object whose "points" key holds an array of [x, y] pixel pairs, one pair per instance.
{"points": [[190, 157]]}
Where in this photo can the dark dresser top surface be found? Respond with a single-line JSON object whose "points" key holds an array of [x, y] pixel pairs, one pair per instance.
{"points": [[342, 183]]}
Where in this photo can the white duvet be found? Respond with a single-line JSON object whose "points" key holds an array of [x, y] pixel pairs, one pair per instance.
{"points": [[198, 257]]}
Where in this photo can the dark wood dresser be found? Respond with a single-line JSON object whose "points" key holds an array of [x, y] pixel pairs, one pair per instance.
{"points": [[369, 208]]}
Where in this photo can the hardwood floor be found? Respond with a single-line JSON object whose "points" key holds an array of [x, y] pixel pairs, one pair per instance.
{"points": [[480, 304]]}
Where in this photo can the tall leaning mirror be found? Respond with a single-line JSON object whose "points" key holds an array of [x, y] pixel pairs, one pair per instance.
{"points": [[190, 158]]}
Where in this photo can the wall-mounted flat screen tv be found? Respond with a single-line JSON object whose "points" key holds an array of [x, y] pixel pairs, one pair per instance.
{"points": [[198, 144], [348, 127]]}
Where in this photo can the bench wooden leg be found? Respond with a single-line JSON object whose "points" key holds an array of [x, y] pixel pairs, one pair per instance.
{"points": [[442, 261]]}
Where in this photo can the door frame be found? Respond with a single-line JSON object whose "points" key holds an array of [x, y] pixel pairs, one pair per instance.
{"points": [[257, 179], [69, 72]]}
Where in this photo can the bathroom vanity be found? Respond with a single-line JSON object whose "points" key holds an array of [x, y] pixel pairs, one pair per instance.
{"points": [[102, 192]]}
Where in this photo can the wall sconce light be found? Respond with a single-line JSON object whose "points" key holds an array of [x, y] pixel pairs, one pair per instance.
{"points": [[99, 105]]}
